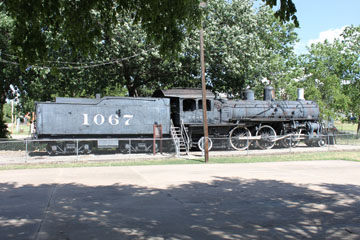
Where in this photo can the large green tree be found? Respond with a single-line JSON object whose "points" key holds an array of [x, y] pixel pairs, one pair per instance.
{"points": [[123, 62], [351, 40], [231, 63], [326, 71], [84, 22], [242, 47], [9, 74], [332, 74], [43, 33]]}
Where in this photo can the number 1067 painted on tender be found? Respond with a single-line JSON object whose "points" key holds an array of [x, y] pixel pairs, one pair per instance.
{"points": [[100, 119]]}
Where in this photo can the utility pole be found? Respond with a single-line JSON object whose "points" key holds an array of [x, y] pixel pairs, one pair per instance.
{"points": [[203, 85]]}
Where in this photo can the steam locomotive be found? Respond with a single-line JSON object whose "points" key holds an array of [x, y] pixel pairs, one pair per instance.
{"points": [[235, 124]]}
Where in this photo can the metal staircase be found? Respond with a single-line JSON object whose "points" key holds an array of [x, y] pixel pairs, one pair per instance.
{"points": [[181, 138]]}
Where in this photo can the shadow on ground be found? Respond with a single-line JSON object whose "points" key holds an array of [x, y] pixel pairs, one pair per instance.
{"points": [[226, 208]]}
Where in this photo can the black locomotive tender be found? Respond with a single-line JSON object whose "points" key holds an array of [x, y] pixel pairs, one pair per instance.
{"points": [[235, 124]]}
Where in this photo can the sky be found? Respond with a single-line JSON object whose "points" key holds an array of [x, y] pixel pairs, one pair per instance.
{"points": [[324, 19]]}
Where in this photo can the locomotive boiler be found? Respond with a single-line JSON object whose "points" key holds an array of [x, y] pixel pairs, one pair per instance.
{"points": [[247, 121], [236, 124]]}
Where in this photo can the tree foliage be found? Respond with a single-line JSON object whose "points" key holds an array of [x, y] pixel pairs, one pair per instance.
{"points": [[244, 46], [9, 74], [286, 10], [328, 69], [83, 23], [44, 33], [332, 74], [241, 46], [351, 41]]}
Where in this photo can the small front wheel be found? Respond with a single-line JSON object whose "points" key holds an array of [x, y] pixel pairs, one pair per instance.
{"points": [[321, 142], [201, 143]]}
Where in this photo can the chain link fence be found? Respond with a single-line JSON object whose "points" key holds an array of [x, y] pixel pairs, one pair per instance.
{"points": [[97, 150], [83, 150]]}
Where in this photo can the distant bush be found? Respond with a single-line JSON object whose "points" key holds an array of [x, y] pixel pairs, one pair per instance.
{"points": [[7, 113]]}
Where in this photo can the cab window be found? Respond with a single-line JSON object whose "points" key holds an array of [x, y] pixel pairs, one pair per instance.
{"points": [[189, 105], [208, 105]]}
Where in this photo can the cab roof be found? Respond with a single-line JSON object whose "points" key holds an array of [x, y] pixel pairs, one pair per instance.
{"points": [[183, 93]]}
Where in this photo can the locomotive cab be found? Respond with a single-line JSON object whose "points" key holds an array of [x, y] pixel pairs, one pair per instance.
{"points": [[186, 105], [192, 111]]}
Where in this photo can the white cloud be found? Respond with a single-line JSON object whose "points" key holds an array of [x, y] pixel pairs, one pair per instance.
{"points": [[329, 35]]}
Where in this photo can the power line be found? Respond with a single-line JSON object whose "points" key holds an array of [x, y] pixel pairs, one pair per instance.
{"points": [[88, 64]]}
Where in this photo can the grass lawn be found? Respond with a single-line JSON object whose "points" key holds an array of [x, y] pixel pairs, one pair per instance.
{"points": [[21, 130], [347, 127], [349, 156]]}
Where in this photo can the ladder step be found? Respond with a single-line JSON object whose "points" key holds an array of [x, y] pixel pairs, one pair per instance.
{"points": [[178, 136]]}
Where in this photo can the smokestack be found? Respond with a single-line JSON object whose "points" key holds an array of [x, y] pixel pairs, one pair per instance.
{"points": [[300, 94]]}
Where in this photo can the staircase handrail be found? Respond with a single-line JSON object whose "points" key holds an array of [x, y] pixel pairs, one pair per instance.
{"points": [[185, 135], [175, 138]]}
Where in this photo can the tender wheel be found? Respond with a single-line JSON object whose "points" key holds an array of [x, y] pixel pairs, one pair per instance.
{"points": [[85, 148], [239, 138], [51, 149], [267, 135], [292, 140], [201, 143]]}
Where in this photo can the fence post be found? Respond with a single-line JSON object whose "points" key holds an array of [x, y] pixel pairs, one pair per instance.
{"points": [[129, 146], [26, 150], [177, 148], [328, 142], [77, 149], [248, 146]]}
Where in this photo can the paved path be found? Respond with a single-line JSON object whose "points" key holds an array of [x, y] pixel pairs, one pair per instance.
{"points": [[284, 200]]}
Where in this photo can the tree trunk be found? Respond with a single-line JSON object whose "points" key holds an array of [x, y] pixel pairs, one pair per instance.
{"points": [[132, 91], [4, 133]]}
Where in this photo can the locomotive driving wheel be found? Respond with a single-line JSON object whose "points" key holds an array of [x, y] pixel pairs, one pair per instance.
{"points": [[239, 138], [291, 141], [267, 135]]}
